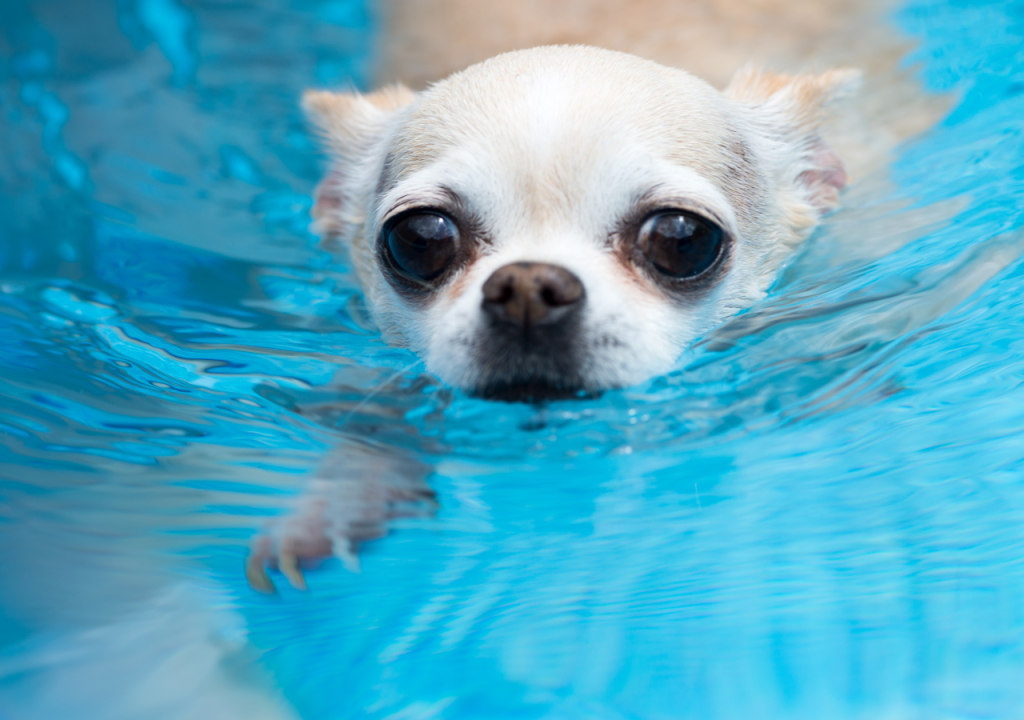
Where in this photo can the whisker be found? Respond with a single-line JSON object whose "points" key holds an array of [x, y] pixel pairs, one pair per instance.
{"points": [[362, 403]]}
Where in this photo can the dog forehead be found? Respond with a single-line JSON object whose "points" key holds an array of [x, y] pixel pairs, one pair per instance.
{"points": [[565, 105]]}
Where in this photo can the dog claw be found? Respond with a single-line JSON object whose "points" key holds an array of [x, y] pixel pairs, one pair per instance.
{"points": [[289, 565], [345, 550], [256, 574]]}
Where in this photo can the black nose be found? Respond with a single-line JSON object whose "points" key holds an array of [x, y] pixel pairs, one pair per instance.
{"points": [[527, 294]]}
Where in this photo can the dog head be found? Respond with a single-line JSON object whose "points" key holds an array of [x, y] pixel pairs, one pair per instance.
{"points": [[567, 219]]}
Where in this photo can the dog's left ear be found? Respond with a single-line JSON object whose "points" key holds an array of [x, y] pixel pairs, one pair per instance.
{"points": [[793, 109], [351, 125]]}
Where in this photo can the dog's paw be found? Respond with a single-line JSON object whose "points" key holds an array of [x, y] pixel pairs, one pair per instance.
{"points": [[335, 514], [298, 539]]}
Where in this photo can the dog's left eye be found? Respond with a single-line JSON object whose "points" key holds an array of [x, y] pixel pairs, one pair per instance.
{"points": [[680, 244], [421, 245]]}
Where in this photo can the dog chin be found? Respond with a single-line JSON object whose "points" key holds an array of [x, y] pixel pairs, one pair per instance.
{"points": [[560, 369]]}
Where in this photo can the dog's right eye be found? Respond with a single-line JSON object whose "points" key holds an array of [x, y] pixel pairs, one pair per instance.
{"points": [[421, 245]]}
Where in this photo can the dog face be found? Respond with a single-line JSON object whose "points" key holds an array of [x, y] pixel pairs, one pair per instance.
{"points": [[567, 219]]}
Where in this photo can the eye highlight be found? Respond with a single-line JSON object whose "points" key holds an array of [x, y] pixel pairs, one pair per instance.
{"points": [[421, 245], [680, 244]]}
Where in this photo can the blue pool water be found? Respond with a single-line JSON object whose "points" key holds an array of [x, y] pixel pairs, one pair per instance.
{"points": [[818, 514]]}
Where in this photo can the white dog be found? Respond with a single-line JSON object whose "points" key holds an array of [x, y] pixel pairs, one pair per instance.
{"points": [[562, 220]]}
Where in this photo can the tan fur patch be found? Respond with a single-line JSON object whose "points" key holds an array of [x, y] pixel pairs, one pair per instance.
{"points": [[802, 97], [345, 117]]}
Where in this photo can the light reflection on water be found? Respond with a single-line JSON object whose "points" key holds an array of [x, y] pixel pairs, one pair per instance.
{"points": [[819, 513]]}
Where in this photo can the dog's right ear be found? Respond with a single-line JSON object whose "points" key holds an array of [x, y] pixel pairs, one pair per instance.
{"points": [[351, 124]]}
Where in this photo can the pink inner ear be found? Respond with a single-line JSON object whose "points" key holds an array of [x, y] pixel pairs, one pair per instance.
{"points": [[328, 193], [328, 203], [825, 179]]}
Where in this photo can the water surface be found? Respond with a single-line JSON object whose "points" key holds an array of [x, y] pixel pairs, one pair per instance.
{"points": [[819, 513]]}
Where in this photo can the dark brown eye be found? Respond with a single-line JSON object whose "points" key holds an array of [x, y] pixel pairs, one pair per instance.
{"points": [[680, 244], [421, 245]]}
